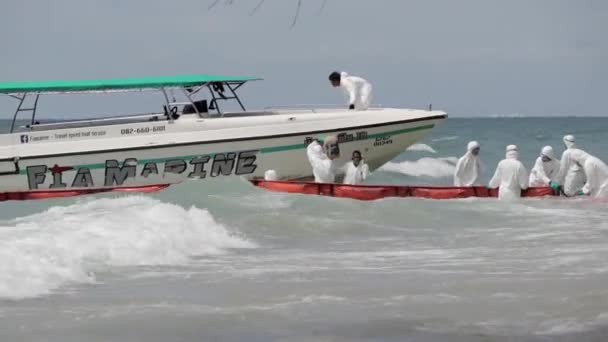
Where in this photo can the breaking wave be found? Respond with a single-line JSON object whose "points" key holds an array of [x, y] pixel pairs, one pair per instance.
{"points": [[42, 252], [421, 148], [449, 138], [428, 167]]}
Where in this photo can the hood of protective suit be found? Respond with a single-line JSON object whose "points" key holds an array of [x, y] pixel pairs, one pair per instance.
{"points": [[569, 141], [331, 147], [547, 151], [512, 152], [343, 74], [317, 149], [468, 169], [512, 155], [472, 145]]}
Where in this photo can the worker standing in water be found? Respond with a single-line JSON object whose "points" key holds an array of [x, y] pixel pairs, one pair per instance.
{"points": [[468, 167], [357, 89], [546, 168], [510, 176], [356, 170], [322, 158]]}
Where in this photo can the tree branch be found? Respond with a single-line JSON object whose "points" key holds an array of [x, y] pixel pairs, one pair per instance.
{"points": [[261, 2], [257, 7], [322, 6], [213, 4], [295, 18]]}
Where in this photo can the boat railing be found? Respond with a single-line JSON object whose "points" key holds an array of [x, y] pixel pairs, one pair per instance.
{"points": [[313, 108], [126, 119], [112, 120]]}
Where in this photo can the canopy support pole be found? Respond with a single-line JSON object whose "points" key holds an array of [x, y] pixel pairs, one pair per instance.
{"points": [[17, 111], [235, 96], [214, 102], [35, 107], [170, 117], [192, 102]]}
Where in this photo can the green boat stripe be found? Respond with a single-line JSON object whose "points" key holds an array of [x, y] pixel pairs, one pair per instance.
{"points": [[400, 131], [371, 136], [262, 150]]}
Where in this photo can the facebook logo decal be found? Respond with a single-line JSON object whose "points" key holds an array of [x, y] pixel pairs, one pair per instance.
{"points": [[25, 138]]}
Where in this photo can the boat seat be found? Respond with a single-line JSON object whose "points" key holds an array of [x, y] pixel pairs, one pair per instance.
{"points": [[201, 106]]}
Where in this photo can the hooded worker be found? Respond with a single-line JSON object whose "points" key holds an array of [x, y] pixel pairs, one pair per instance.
{"points": [[357, 89], [546, 168], [596, 172], [571, 173], [468, 168], [356, 170], [510, 176], [321, 159]]}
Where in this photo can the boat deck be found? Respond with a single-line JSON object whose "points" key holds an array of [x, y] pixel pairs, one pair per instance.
{"points": [[121, 120], [158, 117]]}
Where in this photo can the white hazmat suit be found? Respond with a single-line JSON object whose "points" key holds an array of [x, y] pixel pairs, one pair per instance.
{"points": [[354, 175], [544, 172], [322, 167], [596, 171], [468, 168], [357, 89], [571, 174], [510, 176]]}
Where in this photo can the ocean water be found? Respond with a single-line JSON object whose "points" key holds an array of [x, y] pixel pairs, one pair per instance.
{"points": [[224, 261]]}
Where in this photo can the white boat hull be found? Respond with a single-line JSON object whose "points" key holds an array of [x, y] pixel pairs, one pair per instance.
{"points": [[163, 152]]}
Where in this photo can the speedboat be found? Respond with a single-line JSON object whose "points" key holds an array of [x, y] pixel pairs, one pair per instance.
{"points": [[189, 137]]}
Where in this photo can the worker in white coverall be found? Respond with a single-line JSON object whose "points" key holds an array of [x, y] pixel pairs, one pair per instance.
{"points": [[510, 176], [546, 168], [468, 168], [596, 171], [357, 89], [322, 158], [356, 170], [571, 174]]}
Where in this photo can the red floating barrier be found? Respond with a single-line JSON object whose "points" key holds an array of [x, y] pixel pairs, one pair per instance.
{"points": [[374, 192]]}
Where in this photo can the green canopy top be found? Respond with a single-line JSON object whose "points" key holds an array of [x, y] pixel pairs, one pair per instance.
{"points": [[116, 83]]}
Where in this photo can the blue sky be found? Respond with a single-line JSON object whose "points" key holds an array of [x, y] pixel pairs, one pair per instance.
{"points": [[469, 57]]}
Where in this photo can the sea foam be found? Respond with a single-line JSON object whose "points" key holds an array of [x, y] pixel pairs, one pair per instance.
{"points": [[41, 252], [428, 167]]}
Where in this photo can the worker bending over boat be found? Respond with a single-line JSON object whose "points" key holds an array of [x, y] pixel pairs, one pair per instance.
{"points": [[468, 167], [596, 172], [357, 89], [571, 175], [510, 176], [356, 170], [322, 158], [546, 168]]}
